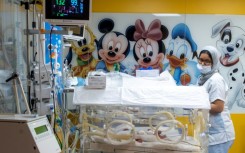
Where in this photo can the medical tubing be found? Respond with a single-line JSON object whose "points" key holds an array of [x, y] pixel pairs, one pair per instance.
{"points": [[199, 125], [189, 143], [86, 126], [66, 141], [110, 136], [74, 144], [118, 113], [163, 113], [70, 128], [173, 122]]}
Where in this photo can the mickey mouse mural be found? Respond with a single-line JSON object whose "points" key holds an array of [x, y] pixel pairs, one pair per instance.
{"points": [[149, 50], [113, 47], [181, 49]]}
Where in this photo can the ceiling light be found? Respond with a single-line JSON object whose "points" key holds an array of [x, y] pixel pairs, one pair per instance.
{"points": [[166, 14]]}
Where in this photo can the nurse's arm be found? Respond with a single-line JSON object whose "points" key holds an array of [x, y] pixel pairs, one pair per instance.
{"points": [[217, 106]]}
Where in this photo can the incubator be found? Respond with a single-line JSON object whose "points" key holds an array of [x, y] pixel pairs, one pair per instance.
{"points": [[143, 115]]}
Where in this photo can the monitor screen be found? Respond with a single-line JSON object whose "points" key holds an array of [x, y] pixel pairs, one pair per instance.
{"points": [[67, 12], [41, 129]]}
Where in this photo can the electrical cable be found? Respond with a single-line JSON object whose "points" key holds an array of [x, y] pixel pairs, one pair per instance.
{"points": [[53, 83], [50, 48]]}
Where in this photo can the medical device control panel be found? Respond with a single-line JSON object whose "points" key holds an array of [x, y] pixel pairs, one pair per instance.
{"points": [[27, 134], [40, 130]]}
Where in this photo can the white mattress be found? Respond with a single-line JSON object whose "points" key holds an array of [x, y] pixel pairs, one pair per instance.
{"points": [[159, 92]]}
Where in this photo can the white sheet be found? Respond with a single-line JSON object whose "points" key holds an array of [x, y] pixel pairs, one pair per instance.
{"points": [[159, 92]]}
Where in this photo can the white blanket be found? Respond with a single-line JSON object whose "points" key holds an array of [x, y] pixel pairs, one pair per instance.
{"points": [[157, 91]]}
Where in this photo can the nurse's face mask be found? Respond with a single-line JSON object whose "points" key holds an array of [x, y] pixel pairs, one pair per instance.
{"points": [[204, 63]]}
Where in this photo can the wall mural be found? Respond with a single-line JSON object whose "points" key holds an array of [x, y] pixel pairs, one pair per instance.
{"points": [[113, 47], [231, 44], [149, 49], [144, 41], [85, 61], [181, 52]]}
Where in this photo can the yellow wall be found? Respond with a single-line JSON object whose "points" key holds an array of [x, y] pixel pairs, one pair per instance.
{"points": [[170, 6], [239, 124], [182, 7]]}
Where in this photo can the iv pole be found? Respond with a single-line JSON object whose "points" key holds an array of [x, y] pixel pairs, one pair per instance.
{"points": [[27, 7]]}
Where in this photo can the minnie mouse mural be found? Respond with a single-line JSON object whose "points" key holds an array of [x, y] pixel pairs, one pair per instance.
{"points": [[149, 49]]}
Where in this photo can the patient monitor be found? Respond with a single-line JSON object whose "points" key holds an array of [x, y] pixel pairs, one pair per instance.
{"points": [[27, 134]]}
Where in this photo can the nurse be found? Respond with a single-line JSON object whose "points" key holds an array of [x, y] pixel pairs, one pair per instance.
{"points": [[221, 131]]}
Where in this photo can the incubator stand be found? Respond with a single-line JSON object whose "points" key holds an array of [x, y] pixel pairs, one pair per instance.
{"points": [[160, 117]]}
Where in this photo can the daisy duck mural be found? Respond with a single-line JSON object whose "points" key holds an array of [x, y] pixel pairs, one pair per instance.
{"points": [[149, 50], [113, 47], [180, 54]]}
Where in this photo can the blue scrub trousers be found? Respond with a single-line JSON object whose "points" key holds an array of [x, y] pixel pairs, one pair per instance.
{"points": [[220, 148]]}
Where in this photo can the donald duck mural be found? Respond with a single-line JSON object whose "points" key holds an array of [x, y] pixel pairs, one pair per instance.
{"points": [[180, 55]]}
